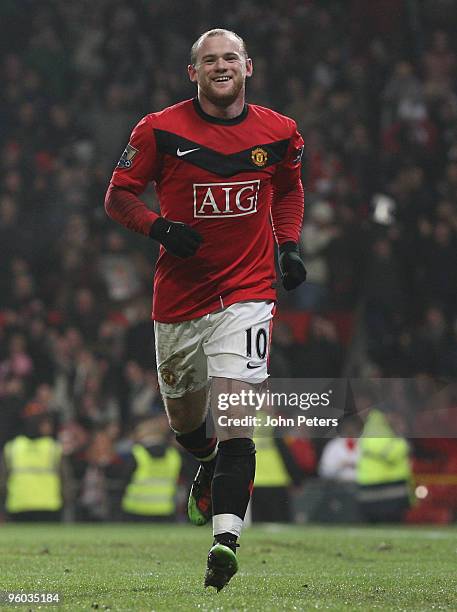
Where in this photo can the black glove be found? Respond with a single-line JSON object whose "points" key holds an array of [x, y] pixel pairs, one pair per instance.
{"points": [[293, 271], [178, 238]]}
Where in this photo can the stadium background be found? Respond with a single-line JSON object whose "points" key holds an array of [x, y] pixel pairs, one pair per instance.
{"points": [[372, 86]]}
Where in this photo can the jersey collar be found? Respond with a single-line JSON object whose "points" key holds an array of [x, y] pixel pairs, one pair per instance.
{"points": [[211, 119]]}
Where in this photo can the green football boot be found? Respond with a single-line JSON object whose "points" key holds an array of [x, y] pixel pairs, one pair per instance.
{"points": [[222, 565], [199, 505]]}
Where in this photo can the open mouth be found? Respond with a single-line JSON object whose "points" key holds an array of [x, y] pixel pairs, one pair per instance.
{"points": [[222, 79]]}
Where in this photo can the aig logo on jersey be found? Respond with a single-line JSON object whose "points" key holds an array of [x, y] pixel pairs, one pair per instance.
{"points": [[225, 199]]}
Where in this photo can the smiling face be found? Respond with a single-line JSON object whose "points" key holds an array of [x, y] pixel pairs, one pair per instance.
{"points": [[220, 70]]}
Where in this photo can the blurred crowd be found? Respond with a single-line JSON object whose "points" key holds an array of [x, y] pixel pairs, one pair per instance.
{"points": [[372, 86]]}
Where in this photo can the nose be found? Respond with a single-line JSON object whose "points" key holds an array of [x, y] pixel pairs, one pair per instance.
{"points": [[220, 64]]}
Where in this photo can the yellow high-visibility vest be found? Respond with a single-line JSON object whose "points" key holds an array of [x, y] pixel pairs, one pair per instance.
{"points": [[152, 489], [382, 459], [270, 470], [33, 474]]}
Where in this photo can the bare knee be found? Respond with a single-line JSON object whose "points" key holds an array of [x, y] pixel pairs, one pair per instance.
{"points": [[188, 412], [235, 417]]}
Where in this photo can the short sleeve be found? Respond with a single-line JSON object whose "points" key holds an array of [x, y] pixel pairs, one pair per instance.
{"points": [[139, 162]]}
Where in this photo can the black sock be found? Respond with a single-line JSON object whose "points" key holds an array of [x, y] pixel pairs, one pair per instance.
{"points": [[200, 446], [228, 539], [233, 478]]}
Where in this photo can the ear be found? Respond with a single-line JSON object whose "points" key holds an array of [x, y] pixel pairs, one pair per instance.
{"points": [[249, 67], [192, 72]]}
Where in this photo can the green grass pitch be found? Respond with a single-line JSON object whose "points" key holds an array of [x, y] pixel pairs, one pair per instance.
{"points": [[129, 567]]}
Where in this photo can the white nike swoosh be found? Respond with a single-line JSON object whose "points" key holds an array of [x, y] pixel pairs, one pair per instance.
{"points": [[180, 153]]}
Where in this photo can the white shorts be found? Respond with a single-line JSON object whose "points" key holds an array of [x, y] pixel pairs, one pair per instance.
{"points": [[230, 343]]}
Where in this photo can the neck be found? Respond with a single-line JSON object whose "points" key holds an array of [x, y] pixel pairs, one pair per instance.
{"points": [[222, 112]]}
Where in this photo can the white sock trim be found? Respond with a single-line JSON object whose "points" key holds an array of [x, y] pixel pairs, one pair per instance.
{"points": [[227, 523], [209, 457]]}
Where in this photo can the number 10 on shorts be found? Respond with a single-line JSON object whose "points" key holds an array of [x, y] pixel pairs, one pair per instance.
{"points": [[257, 341]]}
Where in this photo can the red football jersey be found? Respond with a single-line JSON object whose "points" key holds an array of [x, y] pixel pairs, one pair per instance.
{"points": [[235, 181]]}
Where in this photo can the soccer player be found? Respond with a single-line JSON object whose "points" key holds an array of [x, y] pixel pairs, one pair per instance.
{"points": [[227, 175]]}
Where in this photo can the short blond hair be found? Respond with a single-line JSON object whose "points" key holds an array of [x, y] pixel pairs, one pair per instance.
{"points": [[215, 32]]}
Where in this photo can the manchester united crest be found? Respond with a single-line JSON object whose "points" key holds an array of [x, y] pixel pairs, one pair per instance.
{"points": [[168, 377], [259, 157]]}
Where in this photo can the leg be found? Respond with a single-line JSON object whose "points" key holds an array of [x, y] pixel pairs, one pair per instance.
{"points": [[183, 379], [232, 484], [235, 467], [182, 373], [186, 413], [187, 417], [237, 363]]}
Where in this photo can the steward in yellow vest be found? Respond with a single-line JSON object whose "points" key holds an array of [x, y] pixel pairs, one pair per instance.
{"points": [[31, 469], [276, 471], [154, 467], [383, 472]]}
